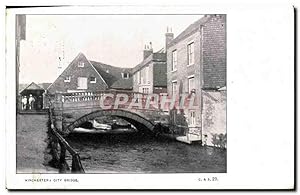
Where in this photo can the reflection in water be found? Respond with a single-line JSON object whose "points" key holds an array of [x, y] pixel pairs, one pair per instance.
{"points": [[138, 153]]}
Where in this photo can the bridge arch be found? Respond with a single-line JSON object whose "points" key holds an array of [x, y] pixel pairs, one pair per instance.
{"points": [[140, 122]]}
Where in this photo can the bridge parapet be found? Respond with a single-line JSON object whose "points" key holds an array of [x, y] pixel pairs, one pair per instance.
{"points": [[69, 108]]}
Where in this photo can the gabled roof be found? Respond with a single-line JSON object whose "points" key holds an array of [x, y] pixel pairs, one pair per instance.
{"points": [[23, 86], [109, 74], [32, 86], [80, 55]]}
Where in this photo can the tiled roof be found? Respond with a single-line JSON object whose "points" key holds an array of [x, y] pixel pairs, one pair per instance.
{"points": [[123, 84], [44, 85], [23, 86], [159, 56], [109, 73], [32, 86]]}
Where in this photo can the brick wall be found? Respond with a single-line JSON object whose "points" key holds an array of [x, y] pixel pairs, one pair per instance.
{"points": [[214, 52], [160, 74], [74, 71]]}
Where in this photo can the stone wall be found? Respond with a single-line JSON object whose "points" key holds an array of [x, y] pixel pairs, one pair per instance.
{"points": [[214, 118]]}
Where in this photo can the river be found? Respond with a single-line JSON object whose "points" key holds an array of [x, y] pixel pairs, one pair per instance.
{"points": [[140, 153]]}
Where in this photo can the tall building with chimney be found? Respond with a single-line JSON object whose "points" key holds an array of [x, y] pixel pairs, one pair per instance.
{"points": [[196, 64], [150, 75]]}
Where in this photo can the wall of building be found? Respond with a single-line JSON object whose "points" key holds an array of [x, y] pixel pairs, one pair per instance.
{"points": [[214, 118], [154, 77], [160, 75], [184, 70], [145, 81], [214, 52], [74, 71]]}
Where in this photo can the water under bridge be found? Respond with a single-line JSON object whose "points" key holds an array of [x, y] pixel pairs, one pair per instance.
{"points": [[70, 110], [143, 111]]}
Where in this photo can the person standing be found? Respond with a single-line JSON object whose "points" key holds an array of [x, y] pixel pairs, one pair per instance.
{"points": [[24, 102], [31, 102]]}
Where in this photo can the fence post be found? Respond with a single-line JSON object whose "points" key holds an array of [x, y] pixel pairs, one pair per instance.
{"points": [[76, 164], [62, 160], [54, 152]]}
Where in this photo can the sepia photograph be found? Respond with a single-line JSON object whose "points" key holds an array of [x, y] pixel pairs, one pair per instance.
{"points": [[149, 97], [121, 93]]}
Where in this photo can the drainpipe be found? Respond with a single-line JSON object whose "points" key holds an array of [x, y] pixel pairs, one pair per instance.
{"points": [[201, 82]]}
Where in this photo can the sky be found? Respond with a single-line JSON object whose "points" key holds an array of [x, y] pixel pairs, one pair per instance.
{"points": [[117, 40]]}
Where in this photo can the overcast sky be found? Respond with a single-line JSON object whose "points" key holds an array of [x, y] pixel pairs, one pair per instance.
{"points": [[117, 40]]}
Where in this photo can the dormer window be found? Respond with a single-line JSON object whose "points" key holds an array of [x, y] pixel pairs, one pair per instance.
{"points": [[81, 64], [93, 80], [67, 79], [125, 75]]}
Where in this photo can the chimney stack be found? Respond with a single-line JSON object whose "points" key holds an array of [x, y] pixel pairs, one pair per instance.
{"points": [[148, 50], [169, 37]]}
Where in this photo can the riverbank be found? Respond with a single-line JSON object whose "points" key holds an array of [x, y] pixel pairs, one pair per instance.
{"points": [[32, 152]]}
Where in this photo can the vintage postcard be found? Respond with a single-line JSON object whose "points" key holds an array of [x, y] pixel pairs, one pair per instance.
{"points": [[113, 98]]}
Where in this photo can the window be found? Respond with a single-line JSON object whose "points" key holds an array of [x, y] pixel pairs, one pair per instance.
{"points": [[192, 121], [93, 80], [143, 75], [139, 77], [67, 79], [174, 87], [174, 60], [147, 74], [191, 84], [82, 83], [80, 64], [191, 54], [125, 75], [145, 90]]}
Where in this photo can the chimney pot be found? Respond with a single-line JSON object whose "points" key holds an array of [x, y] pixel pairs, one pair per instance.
{"points": [[169, 37], [147, 51]]}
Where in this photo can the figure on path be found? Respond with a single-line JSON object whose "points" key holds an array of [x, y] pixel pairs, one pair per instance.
{"points": [[31, 102], [24, 102]]}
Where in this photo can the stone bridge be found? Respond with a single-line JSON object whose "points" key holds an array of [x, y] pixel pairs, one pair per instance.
{"points": [[70, 110]]}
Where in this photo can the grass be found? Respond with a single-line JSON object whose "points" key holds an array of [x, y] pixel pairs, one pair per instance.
{"points": [[32, 151]]}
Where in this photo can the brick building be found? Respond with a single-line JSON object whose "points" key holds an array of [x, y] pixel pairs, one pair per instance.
{"points": [[85, 75], [196, 61], [150, 76]]}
